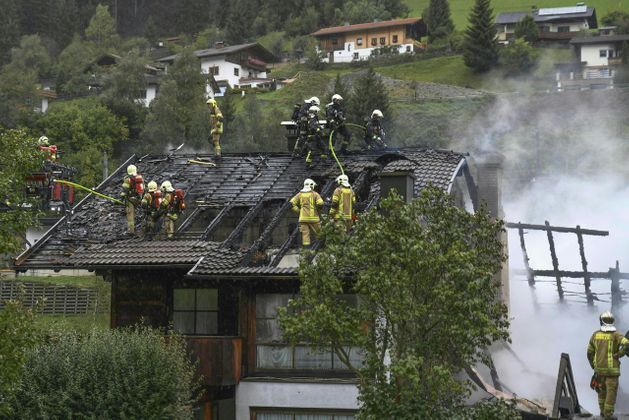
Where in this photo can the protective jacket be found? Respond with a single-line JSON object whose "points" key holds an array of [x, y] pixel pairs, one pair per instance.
{"points": [[343, 201], [133, 188], [374, 131], [216, 120], [335, 115], [307, 204], [605, 350]]}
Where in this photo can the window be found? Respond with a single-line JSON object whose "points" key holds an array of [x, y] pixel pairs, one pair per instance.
{"points": [[195, 311], [359, 40], [374, 41], [383, 40], [563, 29], [602, 53], [355, 56], [545, 28], [394, 40], [300, 414], [213, 70], [236, 72], [273, 353]]}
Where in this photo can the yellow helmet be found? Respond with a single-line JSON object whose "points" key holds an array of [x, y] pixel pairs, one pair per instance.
{"points": [[211, 101], [43, 141], [152, 186]]}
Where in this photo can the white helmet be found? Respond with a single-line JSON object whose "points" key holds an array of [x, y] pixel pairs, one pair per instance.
{"points": [[343, 180], [377, 113], [43, 141], [309, 185], [314, 100], [152, 186], [132, 170], [167, 186], [336, 97], [607, 321], [313, 109]]}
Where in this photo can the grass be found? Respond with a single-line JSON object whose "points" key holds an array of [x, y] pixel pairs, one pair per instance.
{"points": [[460, 9]]}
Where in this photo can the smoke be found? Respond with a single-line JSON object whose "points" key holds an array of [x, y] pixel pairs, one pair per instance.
{"points": [[565, 162]]}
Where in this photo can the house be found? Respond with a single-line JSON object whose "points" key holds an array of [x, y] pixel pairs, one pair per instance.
{"points": [[347, 43], [233, 262], [556, 24], [232, 66], [597, 59]]}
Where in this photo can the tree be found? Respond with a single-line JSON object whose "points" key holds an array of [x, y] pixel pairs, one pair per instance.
{"points": [[121, 373], [17, 336], [369, 93], [438, 19], [102, 29], [619, 19], [518, 57], [480, 47], [20, 157], [527, 29], [71, 75], [9, 28], [341, 89], [426, 303], [151, 32]]}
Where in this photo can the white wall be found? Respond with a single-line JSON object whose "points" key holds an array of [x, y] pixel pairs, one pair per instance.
{"points": [[590, 54], [574, 26], [151, 93], [294, 395], [226, 70], [346, 55]]}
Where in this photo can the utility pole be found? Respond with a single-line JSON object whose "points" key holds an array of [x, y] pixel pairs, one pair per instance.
{"points": [[105, 166]]}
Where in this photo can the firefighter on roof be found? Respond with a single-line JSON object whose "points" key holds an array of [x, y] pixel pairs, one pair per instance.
{"points": [[307, 203], [49, 150], [335, 115], [374, 133], [315, 136], [216, 125], [132, 191], [605, 349], [343, 201], [300, 117], [172, 205], [151, 202]]}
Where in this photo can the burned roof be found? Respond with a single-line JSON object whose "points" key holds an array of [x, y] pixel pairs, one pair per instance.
{"points": [[215, 235]]}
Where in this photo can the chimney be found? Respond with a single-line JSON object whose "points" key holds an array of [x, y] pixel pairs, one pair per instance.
{"points": [[402, 181]]}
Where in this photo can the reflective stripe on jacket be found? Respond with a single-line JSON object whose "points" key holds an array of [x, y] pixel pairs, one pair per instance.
{"points": [[215, 120], [604, 351], [343, 201], [307, 204]]}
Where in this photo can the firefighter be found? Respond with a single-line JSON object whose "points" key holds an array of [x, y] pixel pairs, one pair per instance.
{"points": [[605, 349], [307, 203], [315, 136], [151, 202], [216, 126], [49, 150], [300, 117], [335, 114], [132, 191], [172, 205], [343, 200], [374, 133]]}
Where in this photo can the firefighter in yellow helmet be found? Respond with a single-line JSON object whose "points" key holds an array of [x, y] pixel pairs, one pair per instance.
{"points": [[343, 200], [307, 203], [151, 202], [132, 192], [216, 125], [168, 197], [605, 349]]}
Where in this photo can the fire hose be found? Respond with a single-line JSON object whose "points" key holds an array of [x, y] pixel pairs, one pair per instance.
{"points": [[90, 190], [332, 146]]}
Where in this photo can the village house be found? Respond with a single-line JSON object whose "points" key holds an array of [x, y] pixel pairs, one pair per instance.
{"points": [[556, 24], [347, 43], [233, 262], [234, 66]]}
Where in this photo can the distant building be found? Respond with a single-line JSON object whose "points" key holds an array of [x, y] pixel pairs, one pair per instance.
{"points": [[233, 66], [555, 24], [597, 58], [347, 43]]}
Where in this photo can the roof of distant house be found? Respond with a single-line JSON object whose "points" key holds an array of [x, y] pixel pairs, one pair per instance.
{"points": [[599, 39], [258, 49], [366, 26], [551, 15]]}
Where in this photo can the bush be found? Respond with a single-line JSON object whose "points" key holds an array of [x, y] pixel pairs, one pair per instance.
{"points": [[518, 57], [122, 373]]}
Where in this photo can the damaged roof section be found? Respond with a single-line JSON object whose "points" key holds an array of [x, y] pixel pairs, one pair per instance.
{"points": [[238, 219]]}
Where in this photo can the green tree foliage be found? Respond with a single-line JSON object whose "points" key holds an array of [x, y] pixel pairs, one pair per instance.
{"points": [[20, 157], [9, 28], [17, 336], [84, 129], [102, 30], [341, 88], [618, 19], [179, 113], [519, 57], [240, 21], [122, 373], [438, 19], [425, 311], [71, 68], [369, 93], [527, 29], [480, 48]]}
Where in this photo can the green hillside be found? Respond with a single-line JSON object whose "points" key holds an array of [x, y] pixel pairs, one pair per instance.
{"points": [[460, 8]]}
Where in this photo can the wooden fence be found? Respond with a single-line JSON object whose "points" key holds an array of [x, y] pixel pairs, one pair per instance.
{"points": [[55, 299]]}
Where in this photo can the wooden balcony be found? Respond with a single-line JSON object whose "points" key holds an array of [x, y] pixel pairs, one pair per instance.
{"points": [[561, 36], [220, 359]]}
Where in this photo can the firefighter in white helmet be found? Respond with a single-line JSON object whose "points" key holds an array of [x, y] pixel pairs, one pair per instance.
{"points": [[307, 203], [132, 192], [151, 202], [300, 117], [315, 140], [343, 200], [49, 150], [374, 132], [172, 205], [216, 125], [335, 115]]}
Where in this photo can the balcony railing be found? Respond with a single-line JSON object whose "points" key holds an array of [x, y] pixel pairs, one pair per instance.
{"points": [[220, 359]]}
